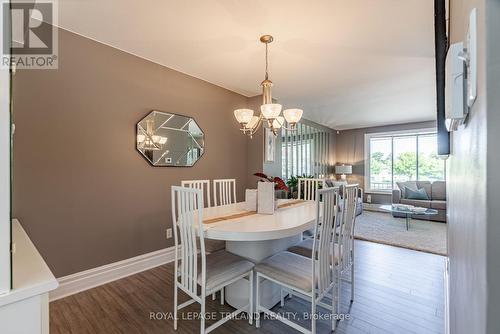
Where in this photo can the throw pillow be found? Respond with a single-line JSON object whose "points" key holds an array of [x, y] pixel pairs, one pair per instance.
{"points": [[419, 194], [407, 184]]}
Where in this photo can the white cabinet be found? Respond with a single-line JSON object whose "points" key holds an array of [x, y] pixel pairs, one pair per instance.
{"points": [[25, 309], [27, 316]]}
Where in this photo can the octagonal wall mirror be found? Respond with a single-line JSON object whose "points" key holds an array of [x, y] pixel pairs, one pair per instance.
{"points": [[166, 139]]}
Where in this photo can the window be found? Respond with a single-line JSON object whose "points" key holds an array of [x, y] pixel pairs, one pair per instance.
{"points": [[305, 151], [398, 157]]}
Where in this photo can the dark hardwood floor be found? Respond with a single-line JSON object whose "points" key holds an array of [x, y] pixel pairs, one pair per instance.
{"points": [[397, 291]]}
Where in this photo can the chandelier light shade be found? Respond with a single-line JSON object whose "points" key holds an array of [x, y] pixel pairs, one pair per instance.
{"points": [[160, 140], [269, 111], [293, 116], [243, 116], [253, 122], [278, 122]]}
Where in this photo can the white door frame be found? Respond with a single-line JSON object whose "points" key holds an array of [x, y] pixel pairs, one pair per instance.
{"points": [[5, 136]]}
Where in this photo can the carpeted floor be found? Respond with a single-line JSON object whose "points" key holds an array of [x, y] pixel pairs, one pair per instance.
{"points": [[382, 228]]}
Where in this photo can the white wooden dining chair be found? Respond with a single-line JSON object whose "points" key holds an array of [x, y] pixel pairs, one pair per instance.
{"points": [[346, 234], [311, 278], [204, 186], [306, 188], [224, 191], [210, 272], [344, 238], [211, 245]]}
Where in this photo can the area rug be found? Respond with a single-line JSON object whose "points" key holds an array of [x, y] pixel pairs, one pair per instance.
{"points": [[379, 227]]}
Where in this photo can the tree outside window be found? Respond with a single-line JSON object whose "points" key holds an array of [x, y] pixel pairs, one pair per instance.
{"points": [[404, 158]]}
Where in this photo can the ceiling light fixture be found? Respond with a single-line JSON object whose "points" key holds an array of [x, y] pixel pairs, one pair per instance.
{"points": [[269, 111]]}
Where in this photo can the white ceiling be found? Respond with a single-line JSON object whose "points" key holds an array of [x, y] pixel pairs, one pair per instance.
{"points": [[348, 64]]}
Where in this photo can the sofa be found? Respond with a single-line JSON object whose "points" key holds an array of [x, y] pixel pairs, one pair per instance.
{"points": [[436, 191]]}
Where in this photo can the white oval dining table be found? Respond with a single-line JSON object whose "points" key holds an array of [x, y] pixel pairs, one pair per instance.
{"points": [[256, 237]]}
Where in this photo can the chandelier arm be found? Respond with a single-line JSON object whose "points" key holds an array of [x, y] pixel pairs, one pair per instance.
{"points": [[289, 129], [283, 125], [257, 126], [254, 129]]}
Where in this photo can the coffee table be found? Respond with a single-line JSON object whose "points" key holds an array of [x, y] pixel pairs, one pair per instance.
{"points": [[408, 213]]}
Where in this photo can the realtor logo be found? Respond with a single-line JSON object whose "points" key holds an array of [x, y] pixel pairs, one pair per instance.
{"points": [[30, 28]]}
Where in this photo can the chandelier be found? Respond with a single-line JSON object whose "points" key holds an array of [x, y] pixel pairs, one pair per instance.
{"points": [[270, 112], [149, 140]]}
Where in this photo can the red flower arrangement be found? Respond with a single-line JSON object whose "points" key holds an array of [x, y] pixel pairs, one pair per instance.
{"points": [[278, 181]]}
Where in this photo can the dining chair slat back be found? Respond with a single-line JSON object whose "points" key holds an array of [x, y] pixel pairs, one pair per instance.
{"points": [[187, 216], [348, 217], [346, 236], [307, 188], [340, 213], [224, 191], [204, 186], [326, 215]]}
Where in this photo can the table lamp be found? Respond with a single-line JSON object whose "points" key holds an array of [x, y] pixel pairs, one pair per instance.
{"points": [[343, 170]]}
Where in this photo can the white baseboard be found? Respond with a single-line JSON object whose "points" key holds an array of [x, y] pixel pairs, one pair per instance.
{"points": [[84, 280]]}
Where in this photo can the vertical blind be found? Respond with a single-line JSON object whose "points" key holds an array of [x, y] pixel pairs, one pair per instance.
{"points": [[305, 151]]}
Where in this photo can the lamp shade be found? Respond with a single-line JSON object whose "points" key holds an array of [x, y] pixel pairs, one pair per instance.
{"points": [[160, 140], [293, 115], [278, 122], [270, 110], [253, 122], [243, 116], [343, 169]]}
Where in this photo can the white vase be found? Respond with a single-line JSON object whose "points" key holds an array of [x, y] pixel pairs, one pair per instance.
{"points": [[251, 200], [265, 198]]}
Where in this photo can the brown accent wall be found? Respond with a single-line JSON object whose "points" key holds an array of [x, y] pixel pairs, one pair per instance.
{"points": [[350, 149], [83, 193]]}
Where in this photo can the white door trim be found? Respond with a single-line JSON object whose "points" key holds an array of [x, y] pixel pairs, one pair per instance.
{"points": [[5, 219]]}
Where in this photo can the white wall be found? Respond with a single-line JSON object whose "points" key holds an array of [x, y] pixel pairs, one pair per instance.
{"points": [[493, 165], [4, 175], [473, 184]]}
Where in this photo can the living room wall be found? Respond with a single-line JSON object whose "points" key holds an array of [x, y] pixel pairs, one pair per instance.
{"points": [[350, 150]]}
